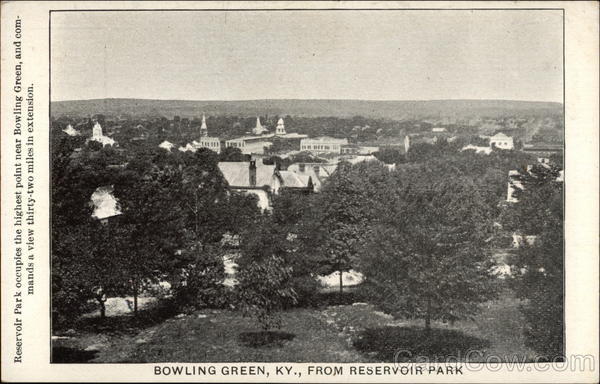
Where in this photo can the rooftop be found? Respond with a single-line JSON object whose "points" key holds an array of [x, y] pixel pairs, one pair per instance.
{"points": [[237, 173]]}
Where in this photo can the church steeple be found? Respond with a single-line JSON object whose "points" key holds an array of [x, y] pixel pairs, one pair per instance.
{"points": [[280, 130], [203, 127], [259, 129]]}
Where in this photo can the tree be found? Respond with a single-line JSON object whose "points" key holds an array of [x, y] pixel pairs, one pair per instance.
{"points": [[346, 204], [426, 256], [538, 268], [390, 155], [201, 280], [148, 233], [231, 154], [264, 290], [73, 229]]}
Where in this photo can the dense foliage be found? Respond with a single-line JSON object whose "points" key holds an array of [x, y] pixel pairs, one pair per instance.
{"points": [[539, 264]]}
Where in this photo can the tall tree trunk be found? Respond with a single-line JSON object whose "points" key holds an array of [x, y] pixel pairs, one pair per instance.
{"points": [[428, 317], [135, 297], [102, 308]]}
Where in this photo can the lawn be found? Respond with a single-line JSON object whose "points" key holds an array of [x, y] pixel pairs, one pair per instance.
{"points": [[336, 333]]}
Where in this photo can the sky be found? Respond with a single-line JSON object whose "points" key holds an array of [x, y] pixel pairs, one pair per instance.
{"points": [[368, 55]]}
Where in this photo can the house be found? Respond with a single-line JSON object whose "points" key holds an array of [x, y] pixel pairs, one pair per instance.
{"points": [[519, 241], [502, 141], [262, 181], [323, 145], [318, 172], [438, 129], [104, 204], [288, 180], [166, 145], [250, 177]]}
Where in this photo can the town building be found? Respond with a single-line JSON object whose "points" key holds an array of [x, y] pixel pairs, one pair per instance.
{"points": [[99, 137], [502, 141], [258, 129], [280, 129], [355, 149], [323, 145], [212, 143], [250, 144], [542, 149]]}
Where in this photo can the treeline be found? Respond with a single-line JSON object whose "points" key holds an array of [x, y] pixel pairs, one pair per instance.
{"points": [[422, 234]]}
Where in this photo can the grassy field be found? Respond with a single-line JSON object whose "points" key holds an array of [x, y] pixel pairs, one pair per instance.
{"points": [[339, 333]]}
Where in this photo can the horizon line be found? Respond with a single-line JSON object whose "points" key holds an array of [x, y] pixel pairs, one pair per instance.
{"points": [[307, 99]]}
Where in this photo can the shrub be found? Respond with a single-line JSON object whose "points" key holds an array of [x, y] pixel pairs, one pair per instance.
{"points": [[264, 289], [201, 284]]}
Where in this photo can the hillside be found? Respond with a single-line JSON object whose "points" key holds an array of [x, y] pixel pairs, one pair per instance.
{"points": [[396, 110]]}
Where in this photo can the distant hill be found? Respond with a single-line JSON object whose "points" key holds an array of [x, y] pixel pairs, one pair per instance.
{"points": [[396, 110]]}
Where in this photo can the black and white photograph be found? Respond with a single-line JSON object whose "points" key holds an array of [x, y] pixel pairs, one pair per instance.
{"points": [[307, 186]]}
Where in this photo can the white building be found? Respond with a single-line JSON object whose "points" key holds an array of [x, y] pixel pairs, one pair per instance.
{"points": [[188, 148], [99, 137], [166, 145], [502, 141], [212, 143], [477, 149], [323, 145], [280, 129], [104, 203], [258, 129], [71, 131], [250, 144]]}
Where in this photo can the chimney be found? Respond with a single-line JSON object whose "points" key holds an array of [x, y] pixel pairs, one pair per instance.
{"points": [[301, 167], [252, 173], [316, 168]]}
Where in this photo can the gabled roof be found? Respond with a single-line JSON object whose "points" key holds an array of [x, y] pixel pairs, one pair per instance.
{"points": [[237, 173], [291, 179]]}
